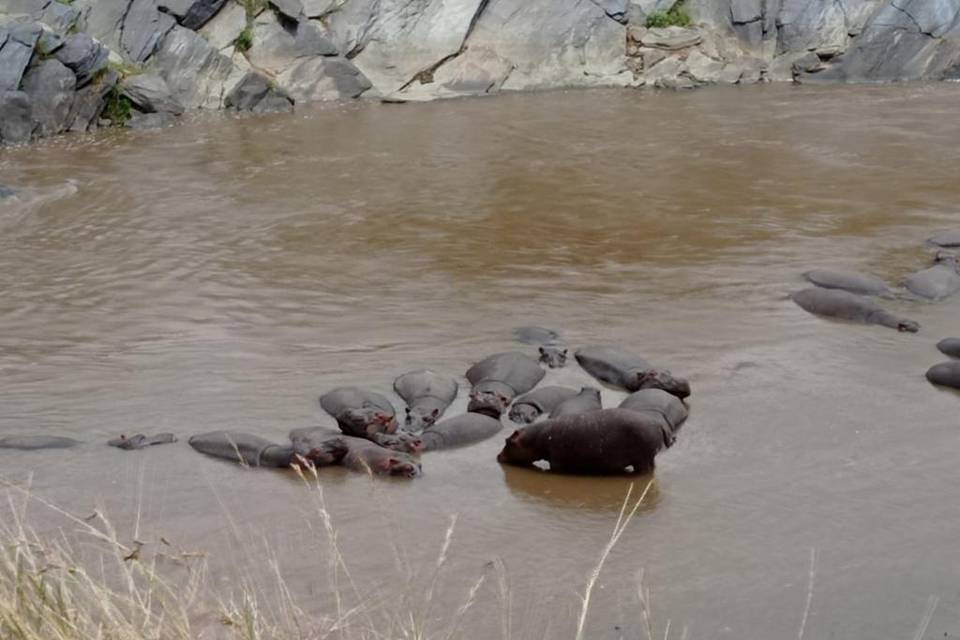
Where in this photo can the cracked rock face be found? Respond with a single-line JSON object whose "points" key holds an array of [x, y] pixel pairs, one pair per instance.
{"points": [[50, 86], [18, 42]]}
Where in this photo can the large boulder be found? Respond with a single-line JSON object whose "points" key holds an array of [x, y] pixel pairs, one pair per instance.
{"points": [[16, 117], [16, 48], [51, 87], [256, 93], [321, 78], [807, 25], [292, 9], [88, 103], [277, 46], [223, 30], [83, 55], [197, 74], [150, 94], [192, 14], [144, 27]]}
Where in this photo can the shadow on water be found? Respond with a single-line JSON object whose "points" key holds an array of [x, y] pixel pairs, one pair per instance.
{"points": [[594, 493]]}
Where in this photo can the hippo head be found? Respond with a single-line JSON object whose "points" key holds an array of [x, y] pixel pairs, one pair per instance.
{"points": [[517, 452], [399, 465], [524, 413], [949, 259], [662, 379], [553, 355], [908, 326], [417, 420], [490, 399], [400, 441], [366, 421], [328, 453]]}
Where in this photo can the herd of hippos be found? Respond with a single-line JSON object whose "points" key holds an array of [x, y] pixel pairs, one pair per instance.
{"points": [[568, 429]]}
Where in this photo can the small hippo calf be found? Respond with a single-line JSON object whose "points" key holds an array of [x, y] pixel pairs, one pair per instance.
{"points": [[600, 442]]}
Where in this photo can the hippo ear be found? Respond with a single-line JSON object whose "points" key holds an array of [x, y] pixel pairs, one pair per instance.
{"points": [[408, 410], [514, 437], [564, 352], [436, 412], [542, 350]]}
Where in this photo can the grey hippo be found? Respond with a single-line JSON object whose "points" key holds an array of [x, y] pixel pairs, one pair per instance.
{"points": [[658, 401], [946, 239], [530, 406], [31, 443], [844, 305], [946, 374], [498, 379], [587, 400], [602, 442], [141, 441], [848, 281], [308, 438], [427, 394], [460, 431], [369, 457], [950, 347], [359, 412], [552, 349], [936, 282], [244, 448], [621, 368]]}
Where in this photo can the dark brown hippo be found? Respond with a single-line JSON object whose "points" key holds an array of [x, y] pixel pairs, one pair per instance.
{"points": [[427, 394], [844, 305], [460, 431], [938, 281], [31, 443], [658, 401], [602, 442], [140, 441], [621, 368], [945, 374], [308, 439], [950, 347], [369, 457], [244, 448], [848, 281], [359, 412], [497, 380], [553, 351], [530, 406], [587, 400]]}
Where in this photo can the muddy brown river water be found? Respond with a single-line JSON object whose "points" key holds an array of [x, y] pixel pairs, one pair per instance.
{"points": [[222, 274]]}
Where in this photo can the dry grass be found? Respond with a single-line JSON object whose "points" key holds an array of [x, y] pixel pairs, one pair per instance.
{"points": [[90, 585]]}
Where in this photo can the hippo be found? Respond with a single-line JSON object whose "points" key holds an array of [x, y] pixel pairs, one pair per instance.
{"points": [[848, 281], [936, 282], [950, 347], [587, 400], [844, 305], [498, 379], [623, 369], [31, 443], [140, 441], [369, 457], [358, 412], [553, 351], [946, 374], [460, 431], [602, 442], [528, 407], [427, 394], [309, 439], [244, 448], [658, 401], [946, 239]]}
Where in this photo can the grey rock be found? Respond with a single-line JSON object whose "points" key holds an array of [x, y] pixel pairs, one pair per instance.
{"points": [[703, 68], [104, 20], [192, 14], [32, 8], [51, 87], [322, 78], [16, 53], [159, 120], [83, 55], [60, 17], [89, 102], [150, 93], [318, 8], [144, 26], [223, 29], [806, 25], [255, 93], [277, 47], [746, 11], [16, 117], [49, 42], [197, 74], [671, 38], [292, 9]]}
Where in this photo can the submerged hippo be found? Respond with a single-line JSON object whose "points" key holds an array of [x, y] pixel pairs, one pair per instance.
{"points": [[244, 448], [946, 374], [553, 351], [658, 401], [848, 281], [309, 439], [369, 457], [950, 347], [623, 369], [497, 380], [31, 443], [834, 303], [936, 282], [946, 239], [140, 441], [427, 394], [359, 412], [460, 431], [587, 400], [528, 407], [605, 441]]}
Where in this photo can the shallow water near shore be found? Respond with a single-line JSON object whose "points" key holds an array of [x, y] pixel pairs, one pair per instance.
{"points": [[224, 273]]}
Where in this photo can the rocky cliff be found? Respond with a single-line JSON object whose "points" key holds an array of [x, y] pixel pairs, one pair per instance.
{"points": [[74, 65]]}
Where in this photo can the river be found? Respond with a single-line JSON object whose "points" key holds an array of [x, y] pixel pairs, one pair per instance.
{"points": [[224, 273]]}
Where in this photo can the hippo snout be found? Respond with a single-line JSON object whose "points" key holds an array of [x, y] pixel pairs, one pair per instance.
{"points": [[908, 326]]}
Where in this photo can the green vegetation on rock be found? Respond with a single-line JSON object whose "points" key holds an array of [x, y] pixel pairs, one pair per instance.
{"points": [[118, 109], [245, 40], [677, 16]]}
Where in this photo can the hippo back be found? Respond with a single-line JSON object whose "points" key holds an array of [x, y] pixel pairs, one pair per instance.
{"points": [[517, 370], [30, 443], [848, 281], [425, 383], [587, 400], [950, 347], [545, 399], [939, 281], [659, 401], [460, 431], [610, 364]]}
